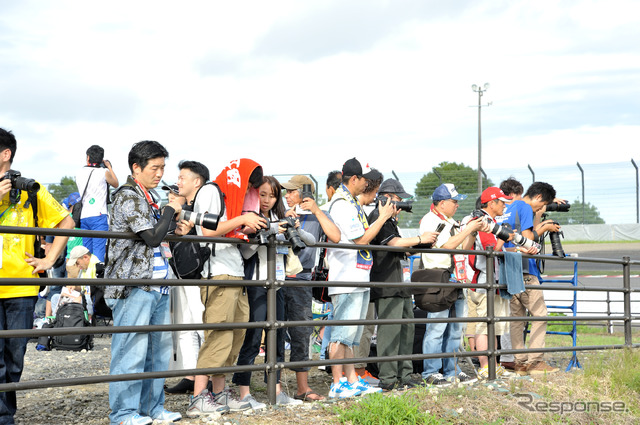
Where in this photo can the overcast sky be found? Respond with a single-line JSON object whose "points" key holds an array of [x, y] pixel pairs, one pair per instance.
{"points": [[301, 86]]}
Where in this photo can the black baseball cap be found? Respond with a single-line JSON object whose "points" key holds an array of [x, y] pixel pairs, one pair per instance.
{"points": [[395, 187], [353, 168]]}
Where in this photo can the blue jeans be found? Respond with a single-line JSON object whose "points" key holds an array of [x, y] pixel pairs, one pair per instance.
{"points": [[139, 352], [443, 338], [326, 336], [15, 313], [97, 246]]}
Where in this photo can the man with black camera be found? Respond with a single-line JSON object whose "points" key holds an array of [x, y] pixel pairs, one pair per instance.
{"points": [[297, 300], [186, 304], [233, 199], [25, 204], [93, 183], [521, 216], [393, 303], [351, 303]]}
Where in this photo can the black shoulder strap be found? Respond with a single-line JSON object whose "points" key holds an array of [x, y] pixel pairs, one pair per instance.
{"points": [[86, 185], [222, 196]]}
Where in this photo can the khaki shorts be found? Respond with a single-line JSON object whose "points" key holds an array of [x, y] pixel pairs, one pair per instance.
{"points": [[222, 304], [479, 302]]}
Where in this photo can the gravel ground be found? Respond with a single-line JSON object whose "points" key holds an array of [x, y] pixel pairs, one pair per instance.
{"points": [[89, 404]]}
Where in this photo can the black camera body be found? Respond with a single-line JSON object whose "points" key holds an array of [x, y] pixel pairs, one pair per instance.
{"points": [[501, 231], [402, 205]]}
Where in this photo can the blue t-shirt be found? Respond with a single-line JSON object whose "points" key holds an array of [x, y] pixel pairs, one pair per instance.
{"points": [[519, 215]]}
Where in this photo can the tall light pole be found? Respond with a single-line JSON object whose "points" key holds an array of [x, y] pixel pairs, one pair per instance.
{"points": [[480, 91]]}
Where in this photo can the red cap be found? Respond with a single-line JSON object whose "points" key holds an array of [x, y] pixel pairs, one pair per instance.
{"points": [[491, 193]]}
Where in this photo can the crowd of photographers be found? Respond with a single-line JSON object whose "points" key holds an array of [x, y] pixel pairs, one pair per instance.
{"points": [[243, 204]]}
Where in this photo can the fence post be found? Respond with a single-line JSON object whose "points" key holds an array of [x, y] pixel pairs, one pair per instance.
{"points": [[491, 295], [582, 173], [533, 175], [272, 330], [637, 192], [609, 323], [626, 282]]}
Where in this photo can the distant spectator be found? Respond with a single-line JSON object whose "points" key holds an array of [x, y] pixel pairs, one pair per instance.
{"points": [[93, 182]]}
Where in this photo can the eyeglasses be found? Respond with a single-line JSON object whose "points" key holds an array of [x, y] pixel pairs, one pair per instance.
{"points": [[453, 200]]}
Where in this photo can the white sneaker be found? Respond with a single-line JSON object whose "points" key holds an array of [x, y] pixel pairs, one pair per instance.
{"points": [[255, 404], [226, 398], [283, 399], [365, 388], [343, 389], [462, 378], [205, 405]]}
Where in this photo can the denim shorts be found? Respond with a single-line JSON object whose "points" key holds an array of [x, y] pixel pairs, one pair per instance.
{"points": [[351, 306]]}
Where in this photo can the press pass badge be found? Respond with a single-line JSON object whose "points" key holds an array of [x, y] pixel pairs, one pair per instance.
{"points": [[165, 250]]}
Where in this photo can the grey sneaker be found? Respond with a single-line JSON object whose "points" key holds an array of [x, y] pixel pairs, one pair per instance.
{"points": [[205, 405], [462, 378], [283, 399], [437, 380], [255, 404], [226, 398]]}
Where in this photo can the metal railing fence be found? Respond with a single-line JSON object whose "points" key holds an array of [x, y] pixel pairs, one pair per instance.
{"points": [[271, 325]]}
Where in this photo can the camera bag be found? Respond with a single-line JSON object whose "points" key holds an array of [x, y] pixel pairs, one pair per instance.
{"points": [[433, 299], [76, 210]]}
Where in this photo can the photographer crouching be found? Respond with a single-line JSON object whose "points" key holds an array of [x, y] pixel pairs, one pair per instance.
{"points": [[24, 204]]}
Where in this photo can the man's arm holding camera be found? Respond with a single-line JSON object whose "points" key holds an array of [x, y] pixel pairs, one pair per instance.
{"points": [[328, 226], [110, 175], [385, 211]]}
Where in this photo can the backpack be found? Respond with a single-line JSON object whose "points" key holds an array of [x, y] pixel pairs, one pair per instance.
{"points": [[189, 258], [71, 315]]}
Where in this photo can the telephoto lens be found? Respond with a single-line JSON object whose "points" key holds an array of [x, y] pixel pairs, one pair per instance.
{"points": [[206, 220], [556, 245], [520, 240]]}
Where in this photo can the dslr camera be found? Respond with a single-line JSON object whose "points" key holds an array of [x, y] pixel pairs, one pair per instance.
{"points": [[291, 233], [19, 183], [402, 205], [206, 220]]}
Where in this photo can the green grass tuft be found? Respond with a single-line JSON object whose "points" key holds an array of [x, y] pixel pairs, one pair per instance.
{"points": [[377, 409]]}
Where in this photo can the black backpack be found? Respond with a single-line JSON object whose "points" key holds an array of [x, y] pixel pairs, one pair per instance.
{"points": [[189, 258], [71, 315]]}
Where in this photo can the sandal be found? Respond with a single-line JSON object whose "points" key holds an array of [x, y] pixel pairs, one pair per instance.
{"points": [[310, 395]]}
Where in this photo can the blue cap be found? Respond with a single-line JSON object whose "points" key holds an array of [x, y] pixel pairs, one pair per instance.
{"points": [[447, 191], [71, 200]]}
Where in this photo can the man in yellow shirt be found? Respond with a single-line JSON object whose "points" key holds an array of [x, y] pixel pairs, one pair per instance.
{"points": [[17, 302]]}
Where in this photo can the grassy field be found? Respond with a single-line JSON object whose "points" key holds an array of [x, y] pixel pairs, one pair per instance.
{"points": [[607, 390]]}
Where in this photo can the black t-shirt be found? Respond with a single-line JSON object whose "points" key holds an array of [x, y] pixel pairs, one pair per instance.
{"points": [[387, 265]]}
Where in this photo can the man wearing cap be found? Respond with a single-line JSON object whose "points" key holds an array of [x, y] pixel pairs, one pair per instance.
{"points": [[85, 260], [393, 303], [351, 303], [93, 183], [297, 300], [173, 192], [447, 337], [492, 204]]}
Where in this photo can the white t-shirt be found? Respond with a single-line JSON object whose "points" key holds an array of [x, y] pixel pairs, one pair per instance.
{"points": [[94, 202], [343, 262], [226, 258], [429, 223]]}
